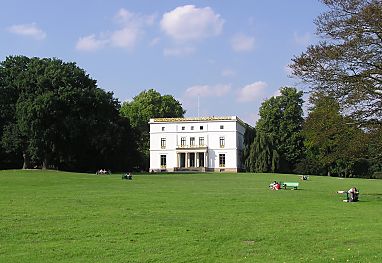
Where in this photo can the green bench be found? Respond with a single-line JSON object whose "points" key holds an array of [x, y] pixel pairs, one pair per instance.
{"points": [[292, 185]]}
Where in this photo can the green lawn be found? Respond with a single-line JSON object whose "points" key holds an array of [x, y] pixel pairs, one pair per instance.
{"points": [[70, 217]]}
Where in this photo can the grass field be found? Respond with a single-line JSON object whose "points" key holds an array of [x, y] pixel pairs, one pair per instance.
{"points": [[69, 217]]}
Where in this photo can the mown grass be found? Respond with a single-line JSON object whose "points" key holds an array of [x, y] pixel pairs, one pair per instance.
{"points": [[69, 217]]}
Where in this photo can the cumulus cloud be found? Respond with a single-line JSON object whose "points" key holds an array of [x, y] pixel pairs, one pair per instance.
{"points": [[252, 91], [126, 37], [188, 22], [131, 28], [90, 43], [178, 51], [303, 40], [207, 90], [28, 30], [242, 43]]}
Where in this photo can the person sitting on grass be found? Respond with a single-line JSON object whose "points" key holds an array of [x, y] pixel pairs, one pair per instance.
{"points": [[275, 186], [351, 194], [127, 176]]}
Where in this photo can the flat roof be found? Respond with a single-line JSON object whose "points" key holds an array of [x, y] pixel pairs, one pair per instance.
{"points": [[197, 119]]}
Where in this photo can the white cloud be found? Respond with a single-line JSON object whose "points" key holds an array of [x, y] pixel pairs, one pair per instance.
{"points": [[90, 43], [252, 92], [303, 40], [228, 72], [127, 18], [242, 43], [131, 29], [28, 30], [126, 37], [188, 22], [207, 90], [178, 51]]}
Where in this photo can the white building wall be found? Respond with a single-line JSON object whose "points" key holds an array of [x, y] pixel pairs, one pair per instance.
{"points": [[231, 128]]}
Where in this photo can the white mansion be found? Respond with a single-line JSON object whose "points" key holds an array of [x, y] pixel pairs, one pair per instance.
{"points": [[196, 144]]}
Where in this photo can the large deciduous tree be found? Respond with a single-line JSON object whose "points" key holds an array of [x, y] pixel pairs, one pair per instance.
{"points": [[278, 144], [347, 63], [149, 104], [335, 145], [56, 115]]}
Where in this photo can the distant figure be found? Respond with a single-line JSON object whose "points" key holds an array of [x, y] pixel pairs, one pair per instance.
{"points": [[127, 176], [304, 177], [275, 186], [351, 195]]}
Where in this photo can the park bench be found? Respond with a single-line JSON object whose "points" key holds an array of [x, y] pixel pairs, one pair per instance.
{"points": [[292, 185]]}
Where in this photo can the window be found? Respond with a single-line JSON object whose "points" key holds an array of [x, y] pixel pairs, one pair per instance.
{"points": [[221, 127], [162, 128], [201, 141], [201, 128], [192, 141], [183, 141], [163, 161], [163, 143], [183, 128], [192, 128], [221, 160], [222, 142]]}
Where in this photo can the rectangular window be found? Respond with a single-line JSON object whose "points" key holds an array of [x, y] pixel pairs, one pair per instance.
{"points": [[222, 142], [201, 128], [183, 141], [221, 127], [163, 143], [192, 128], [163, 161], [221, 160], [183, 128], [201, 141], [192, 141], [162, 128]]}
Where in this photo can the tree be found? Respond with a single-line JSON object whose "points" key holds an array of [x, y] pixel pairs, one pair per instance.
{"points": [[334, 143], [347, 64], [278, 144], [149, 104], [249, 136], [60, 116]]}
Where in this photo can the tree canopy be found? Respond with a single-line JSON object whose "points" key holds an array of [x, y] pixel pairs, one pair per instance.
{"points": [[57, 116], [149, 104], [347, 63], [334, 144], [278, 144]]}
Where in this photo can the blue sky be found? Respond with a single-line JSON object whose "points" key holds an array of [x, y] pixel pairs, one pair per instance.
{"points": [[230, 54]]}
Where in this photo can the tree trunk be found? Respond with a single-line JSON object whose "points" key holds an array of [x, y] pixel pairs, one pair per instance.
{"points": [[45, 163], [26, 163]]}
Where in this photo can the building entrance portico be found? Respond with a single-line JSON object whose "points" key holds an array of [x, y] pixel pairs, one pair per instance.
{"points": [[191, 159]]}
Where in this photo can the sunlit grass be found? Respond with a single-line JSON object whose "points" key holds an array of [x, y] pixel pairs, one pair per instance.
{"points": [[67, 217]]}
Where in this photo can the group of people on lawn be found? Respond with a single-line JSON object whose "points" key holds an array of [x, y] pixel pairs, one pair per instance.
{"points": [[351, 194], [103, 171]]}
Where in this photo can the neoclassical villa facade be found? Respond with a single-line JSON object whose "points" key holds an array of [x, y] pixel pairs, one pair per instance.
{"points": [[196, 144]]}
